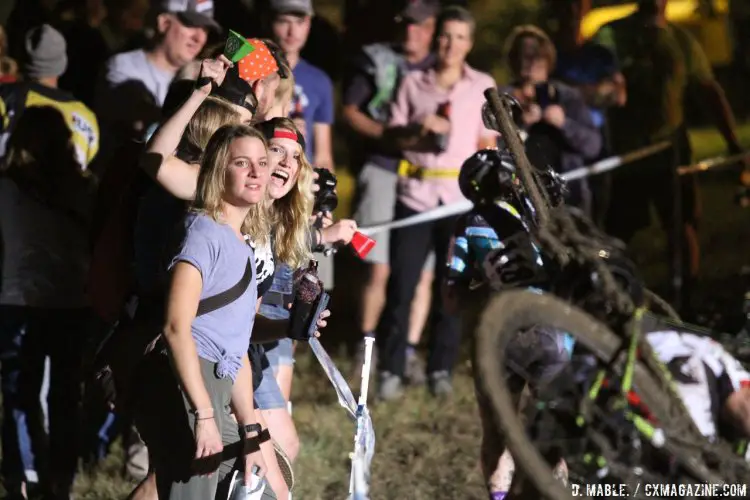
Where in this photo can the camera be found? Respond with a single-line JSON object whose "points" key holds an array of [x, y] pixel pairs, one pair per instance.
{"points": [[546, 94], [326, 199]]}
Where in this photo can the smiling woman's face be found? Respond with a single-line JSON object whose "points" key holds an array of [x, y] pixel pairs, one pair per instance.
{"points": [[284, 155]]}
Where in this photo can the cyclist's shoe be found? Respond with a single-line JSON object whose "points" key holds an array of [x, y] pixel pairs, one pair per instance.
{"points": [[560, 472], [415, 370], [390, 387], [440, 384]]}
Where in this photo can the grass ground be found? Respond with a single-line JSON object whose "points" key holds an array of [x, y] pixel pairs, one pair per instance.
{"points": [[428, 449]]}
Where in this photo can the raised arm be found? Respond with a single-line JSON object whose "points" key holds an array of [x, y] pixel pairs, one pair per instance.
{"points": [[176, 176]]}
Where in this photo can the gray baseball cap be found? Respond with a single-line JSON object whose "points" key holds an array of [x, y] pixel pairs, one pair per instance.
{"points": [[194, 13], [304, 7], [418, 11]]}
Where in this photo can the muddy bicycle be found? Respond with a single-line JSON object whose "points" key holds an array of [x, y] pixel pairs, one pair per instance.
{"points": [[615, 415]]}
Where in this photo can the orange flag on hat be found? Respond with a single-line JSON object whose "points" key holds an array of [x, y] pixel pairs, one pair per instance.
{"points": [[259, 64]]}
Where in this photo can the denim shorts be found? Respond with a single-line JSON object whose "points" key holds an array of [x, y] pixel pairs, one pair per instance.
{"points": [[280, 353], [283, 284], [268, 395]]}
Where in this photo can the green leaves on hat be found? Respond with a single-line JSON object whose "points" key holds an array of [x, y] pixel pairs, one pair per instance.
{"points": [[237, 47]]}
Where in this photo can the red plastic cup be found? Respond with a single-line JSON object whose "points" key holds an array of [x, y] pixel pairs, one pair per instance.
{"points": [[362, 244]]}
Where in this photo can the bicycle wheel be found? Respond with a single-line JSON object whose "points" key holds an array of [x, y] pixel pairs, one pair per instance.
{"points": [[660, 307], [510, 312]]}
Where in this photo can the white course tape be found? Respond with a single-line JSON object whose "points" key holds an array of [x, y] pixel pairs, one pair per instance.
{"points": [[431, 215], [613, 162], [464, 206]]}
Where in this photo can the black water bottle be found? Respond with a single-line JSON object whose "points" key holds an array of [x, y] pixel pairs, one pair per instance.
{"points": [[441, 140]]}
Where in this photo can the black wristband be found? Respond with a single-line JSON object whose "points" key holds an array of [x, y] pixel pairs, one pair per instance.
{"points": [[257, 428], [202, 81]]}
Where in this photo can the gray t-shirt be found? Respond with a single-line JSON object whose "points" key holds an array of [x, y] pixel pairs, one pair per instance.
{"points": [[134, 65], [131, 93], [221, 336]]}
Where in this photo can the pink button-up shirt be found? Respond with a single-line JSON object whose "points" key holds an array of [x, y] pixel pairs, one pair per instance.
{"points": [[418, 97]]}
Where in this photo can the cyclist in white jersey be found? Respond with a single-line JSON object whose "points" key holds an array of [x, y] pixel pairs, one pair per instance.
{"points": [[714, 386]]}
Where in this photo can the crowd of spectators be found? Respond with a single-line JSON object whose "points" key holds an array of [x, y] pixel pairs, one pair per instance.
{"points": [[102, 136]]}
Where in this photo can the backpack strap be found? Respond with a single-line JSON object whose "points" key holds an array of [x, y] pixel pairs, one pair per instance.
{"points": [[223, 299]]}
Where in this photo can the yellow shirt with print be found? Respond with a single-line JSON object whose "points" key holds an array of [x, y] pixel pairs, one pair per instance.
{"points": [[15, 97], [660, 66]]}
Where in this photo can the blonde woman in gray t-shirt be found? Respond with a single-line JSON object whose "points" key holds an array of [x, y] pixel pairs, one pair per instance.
{"points": [[184, 410]]}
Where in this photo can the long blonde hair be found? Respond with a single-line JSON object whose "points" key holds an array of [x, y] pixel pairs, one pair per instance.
{"points": [[212, 114], [290, 215], [211, 180], [285, 90]]}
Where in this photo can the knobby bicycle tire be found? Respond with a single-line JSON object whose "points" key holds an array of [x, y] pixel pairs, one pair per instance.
{"points": [[507, 313]]}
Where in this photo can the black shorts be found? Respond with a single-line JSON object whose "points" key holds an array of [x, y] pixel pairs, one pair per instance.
{"points": [[636, 186], [535, 356]]}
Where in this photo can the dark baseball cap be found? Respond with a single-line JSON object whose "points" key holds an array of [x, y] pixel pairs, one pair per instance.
{"points": [[193, 13], [418, 11], [304, 7]]}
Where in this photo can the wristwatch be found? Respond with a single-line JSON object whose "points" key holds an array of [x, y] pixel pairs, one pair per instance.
{"points": [[250, 428]]}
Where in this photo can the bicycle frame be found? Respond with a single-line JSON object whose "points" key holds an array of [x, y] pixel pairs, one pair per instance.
{"points": [[648, 430]]}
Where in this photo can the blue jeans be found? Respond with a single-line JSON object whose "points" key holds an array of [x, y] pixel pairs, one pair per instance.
{"points": [[29, 336], [17, 454]]}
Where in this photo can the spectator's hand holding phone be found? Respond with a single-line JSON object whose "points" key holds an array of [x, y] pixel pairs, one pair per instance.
{"points": [[554, 115], [532, 114], [322, 323], [436, 124], [212, 72]]}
